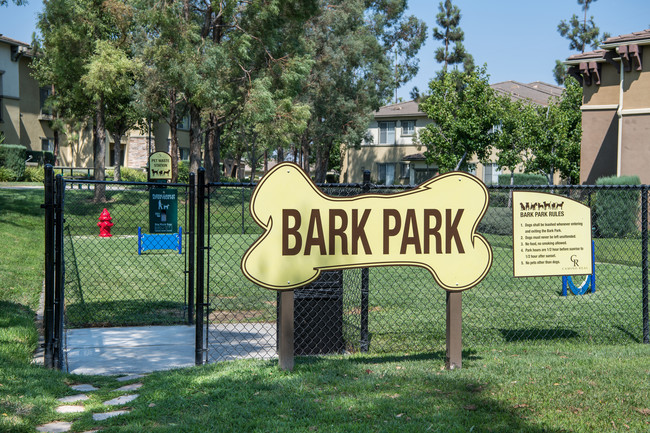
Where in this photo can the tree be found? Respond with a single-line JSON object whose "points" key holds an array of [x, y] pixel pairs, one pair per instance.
{"points": [[451, 34], [557, 147], [581, 34], [353, 73], [71, 31], [16, 2], [519, 129], [464, 111]]}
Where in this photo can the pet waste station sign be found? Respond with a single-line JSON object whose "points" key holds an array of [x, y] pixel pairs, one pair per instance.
{"points": [[160, 166], [163, 210], [551, 235], [432, 226]]}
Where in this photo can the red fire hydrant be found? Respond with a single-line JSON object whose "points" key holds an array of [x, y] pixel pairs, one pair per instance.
{"points": [[105, 224]]}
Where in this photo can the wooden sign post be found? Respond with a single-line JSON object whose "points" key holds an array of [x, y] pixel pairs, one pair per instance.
{"points": [[285, 337]]}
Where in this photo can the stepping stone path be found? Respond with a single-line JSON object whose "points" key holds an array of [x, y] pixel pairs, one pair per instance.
{"points": [[64, 426]]}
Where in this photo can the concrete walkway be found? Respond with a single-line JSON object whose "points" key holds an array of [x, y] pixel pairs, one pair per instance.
{"points": [[142, 349], [130, 350]]}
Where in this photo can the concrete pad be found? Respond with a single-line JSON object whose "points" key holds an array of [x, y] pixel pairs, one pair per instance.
{"points": [[131, 387], [143, 349], [73, 398], [129, 350], [84, 387], [107, 415], [70, 409], [55, 427], [123, 399]]}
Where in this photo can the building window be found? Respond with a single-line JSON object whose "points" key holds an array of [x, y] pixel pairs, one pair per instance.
{"points": [[184, 153], [385, 174], [424, 174], [404, 170], [491, 174], [1, 109], [47, 144], [184, 123], [111, 154], [386, 132], [408, 127], [45, 92]]}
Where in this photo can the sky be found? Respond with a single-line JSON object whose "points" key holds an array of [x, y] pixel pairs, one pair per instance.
{"points": [[517, 39]]}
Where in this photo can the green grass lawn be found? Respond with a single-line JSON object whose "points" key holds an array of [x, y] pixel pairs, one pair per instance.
{"points": [[541, 384]]}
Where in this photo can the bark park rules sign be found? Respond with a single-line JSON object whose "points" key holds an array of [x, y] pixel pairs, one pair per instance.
{"points": [[432, 226]]}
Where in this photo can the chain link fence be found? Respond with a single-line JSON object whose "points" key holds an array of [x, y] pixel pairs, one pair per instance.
{"points": [[387, 309], [109, 282], [130, 278]]}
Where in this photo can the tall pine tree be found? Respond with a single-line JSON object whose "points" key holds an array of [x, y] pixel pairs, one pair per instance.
{"points": [[452, 36], [581, 34]]}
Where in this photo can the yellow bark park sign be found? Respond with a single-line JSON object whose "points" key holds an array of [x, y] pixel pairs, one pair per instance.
{"points": [[432, 226], [551, 235]]}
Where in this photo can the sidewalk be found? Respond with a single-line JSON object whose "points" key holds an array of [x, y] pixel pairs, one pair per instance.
{"points": [[130, 350]]}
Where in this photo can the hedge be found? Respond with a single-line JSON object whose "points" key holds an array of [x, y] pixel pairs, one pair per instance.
{"points": [[12, 157], [616, 211], [523, 179]]}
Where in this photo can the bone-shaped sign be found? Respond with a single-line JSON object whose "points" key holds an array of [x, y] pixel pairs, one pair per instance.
{"points": [[306, 231]]}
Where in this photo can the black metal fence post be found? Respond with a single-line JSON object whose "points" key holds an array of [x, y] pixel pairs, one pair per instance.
{"points": [[200, 256], [365, 285], [191, 251], [48, 316], [59, 269], [644, 264]]}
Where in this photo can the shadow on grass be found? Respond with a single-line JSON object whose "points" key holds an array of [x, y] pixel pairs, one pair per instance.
{"points": [[326, 395], [538, 334], [125, 313]]}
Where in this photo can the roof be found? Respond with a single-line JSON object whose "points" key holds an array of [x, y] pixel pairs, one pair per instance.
{"points": [[591, 55], [23, 47], [414, 157], [638, 37], [10, 41], [537, 91], [401, 109]]}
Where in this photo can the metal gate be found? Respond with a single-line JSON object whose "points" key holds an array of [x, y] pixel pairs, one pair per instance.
{"points": [[132, 278]]}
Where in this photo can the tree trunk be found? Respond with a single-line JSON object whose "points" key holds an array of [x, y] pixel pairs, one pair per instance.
{"points": [[195, 138], [117, 156], [99, 151], [173, 130], [322, 161], [216, 152]]}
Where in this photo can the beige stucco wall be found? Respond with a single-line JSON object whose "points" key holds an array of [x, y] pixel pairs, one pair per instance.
{"points": [[10, 125], [608, 91], [598, 149], [366, 157], [635, 150], [636, 85]]}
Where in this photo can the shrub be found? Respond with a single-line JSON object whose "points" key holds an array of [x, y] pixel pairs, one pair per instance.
{"points": [[523, 179], [497, 221], [616, 211], [6, 175], [34, 174], [183, 172], [132, 175], [12, 157]]}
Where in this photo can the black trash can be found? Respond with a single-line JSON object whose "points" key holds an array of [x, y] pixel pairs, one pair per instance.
{"points": [[318, 316]]}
